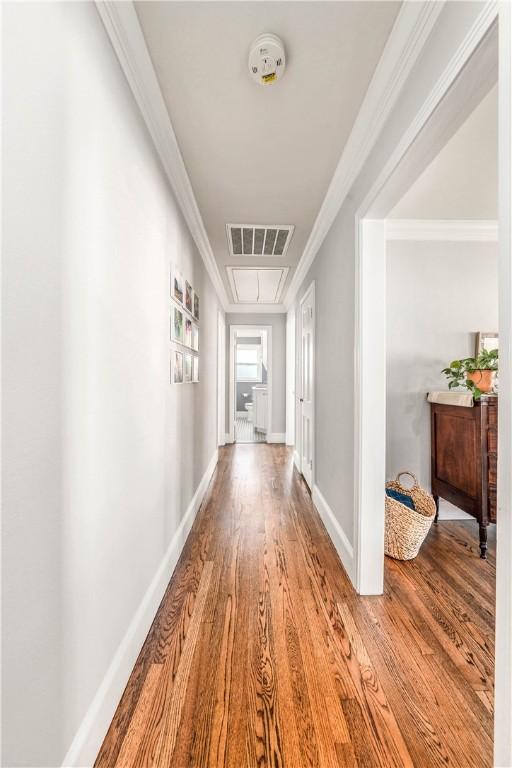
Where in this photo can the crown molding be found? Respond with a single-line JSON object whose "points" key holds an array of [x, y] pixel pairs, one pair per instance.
{"points": [[465, 230], [123, 29], [412, 27]]}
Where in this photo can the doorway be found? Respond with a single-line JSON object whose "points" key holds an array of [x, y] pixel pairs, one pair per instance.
{"points": [[250, 390], [449, 103]]}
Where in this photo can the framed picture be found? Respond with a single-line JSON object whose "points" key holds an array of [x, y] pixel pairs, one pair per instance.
{"points": [[177, 286], [486, 340], [188, 296], [188, 332], [195, 337], [177, 332], [196, 306], [177, 367], [195, 368], [187, 368]]}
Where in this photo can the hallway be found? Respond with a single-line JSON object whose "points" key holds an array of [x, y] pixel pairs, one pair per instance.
{"points": [[262, 654]]}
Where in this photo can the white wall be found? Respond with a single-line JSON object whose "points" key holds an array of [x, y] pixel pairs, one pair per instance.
{"points": [[438, 295], [462, 180], [278, 323], [101, 454]]}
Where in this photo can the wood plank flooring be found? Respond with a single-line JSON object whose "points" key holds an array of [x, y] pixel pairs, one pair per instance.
{"points": [[261, 654]]}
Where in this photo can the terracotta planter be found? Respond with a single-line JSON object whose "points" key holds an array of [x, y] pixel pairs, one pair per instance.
{"points": [[484, 380]]}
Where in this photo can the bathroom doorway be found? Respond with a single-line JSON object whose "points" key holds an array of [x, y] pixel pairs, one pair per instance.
{"points": [[250, 384]]}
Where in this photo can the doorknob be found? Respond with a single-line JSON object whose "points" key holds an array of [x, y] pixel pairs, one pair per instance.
{"points": [[301, 399]]}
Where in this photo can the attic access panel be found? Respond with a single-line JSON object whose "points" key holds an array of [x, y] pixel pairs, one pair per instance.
{"points": [[257, 285]]}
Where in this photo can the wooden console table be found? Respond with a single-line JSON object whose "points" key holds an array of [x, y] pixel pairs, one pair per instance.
{"points": [[464, 454]]}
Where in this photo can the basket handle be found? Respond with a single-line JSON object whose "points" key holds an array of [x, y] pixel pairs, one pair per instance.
{"points": [[411, 474]]}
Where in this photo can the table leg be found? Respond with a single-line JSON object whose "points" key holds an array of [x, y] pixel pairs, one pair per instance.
{"points": [[483, 541], [436, 499]]}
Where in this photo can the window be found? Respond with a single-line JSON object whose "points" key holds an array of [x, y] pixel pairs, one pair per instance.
{"points": [[248, 362]]}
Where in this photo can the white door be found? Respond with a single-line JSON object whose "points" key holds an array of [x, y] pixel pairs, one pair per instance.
{"points": [[307, 385]]}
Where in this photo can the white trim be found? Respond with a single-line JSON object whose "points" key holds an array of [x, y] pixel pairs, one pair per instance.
{"points": [[227, 439], [232, 331], [89, 737], [370, 372], [296, 460], [310, 291], [123, 28], [335, 531], [276, 437], [412, 27], [503, 653], [266, 309], [369, 411], [221, 378], [446, 230], [290, 377]]}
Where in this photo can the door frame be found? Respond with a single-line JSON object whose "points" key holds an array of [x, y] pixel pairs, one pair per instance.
{"points": [[299, 389], [232, 331], [446, 106], [370, 368], [221, 378]]}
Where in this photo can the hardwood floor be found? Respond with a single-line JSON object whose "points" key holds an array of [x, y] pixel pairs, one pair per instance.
{"points": [[261, 654]]}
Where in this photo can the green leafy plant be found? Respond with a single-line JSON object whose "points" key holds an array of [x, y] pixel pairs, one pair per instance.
{"points": [[457, 371]]}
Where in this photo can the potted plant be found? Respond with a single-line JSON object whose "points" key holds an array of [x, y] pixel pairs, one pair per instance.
{"points": [[477, 374]]}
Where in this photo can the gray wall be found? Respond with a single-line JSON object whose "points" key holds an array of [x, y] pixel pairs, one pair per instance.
{"points": [[278, 323], [333, 273], [101, 454], [438, 296]]}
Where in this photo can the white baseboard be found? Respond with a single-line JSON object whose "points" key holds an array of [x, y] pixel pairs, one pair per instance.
{"points": [[296, 460], [228, 439], [89, 737], [276, 437], [339, 538]]}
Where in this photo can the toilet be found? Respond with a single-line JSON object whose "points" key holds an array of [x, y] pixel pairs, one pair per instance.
{"points": [[248, 408]]}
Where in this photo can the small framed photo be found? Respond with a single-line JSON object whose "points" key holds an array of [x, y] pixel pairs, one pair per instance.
{"points": [[195, 368], [177, 331], [188, 297], [486, 341], [176, 286], [195, 337], [187, 368], [188, 332], [196, 306], [177, 367]]}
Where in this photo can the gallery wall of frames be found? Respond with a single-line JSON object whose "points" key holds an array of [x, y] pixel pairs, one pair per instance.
{"points": [[184, 330]]}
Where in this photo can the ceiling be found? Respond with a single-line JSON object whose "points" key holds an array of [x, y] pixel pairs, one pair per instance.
{"points": [[462, 180], [263, 155]]}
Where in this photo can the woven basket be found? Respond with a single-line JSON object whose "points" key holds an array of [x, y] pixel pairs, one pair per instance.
{"points": [[406, 528]]}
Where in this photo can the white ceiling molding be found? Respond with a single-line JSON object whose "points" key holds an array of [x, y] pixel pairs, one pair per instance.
{"points": [[412, 27], [123, 28], [443, 229]]}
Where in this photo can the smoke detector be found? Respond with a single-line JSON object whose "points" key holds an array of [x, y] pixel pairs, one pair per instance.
{"points": [[266, 59]]}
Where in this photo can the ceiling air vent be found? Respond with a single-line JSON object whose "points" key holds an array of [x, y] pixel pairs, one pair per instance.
{"points": [[259, 239]]}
